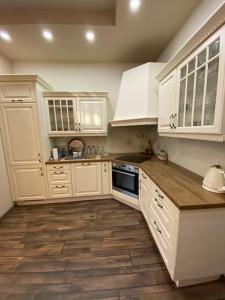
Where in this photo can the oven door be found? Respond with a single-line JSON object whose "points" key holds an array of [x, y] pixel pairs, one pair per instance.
{"points": [[125, 182]]}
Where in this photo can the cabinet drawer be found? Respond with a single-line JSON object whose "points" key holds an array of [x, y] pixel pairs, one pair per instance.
{"points": [[59, 176], [159, 237], [17, 92], [59, 167], [60, 191]]}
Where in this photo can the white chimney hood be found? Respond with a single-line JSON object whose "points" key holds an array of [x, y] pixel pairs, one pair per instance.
{"points": [[138, 96]]}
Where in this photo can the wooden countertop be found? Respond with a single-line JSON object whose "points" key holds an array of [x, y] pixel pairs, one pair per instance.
{"points": [[182, 187]]}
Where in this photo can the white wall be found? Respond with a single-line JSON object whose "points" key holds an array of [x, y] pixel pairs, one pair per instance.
{"points": [[5, 194], [196, 156], [79, 77]]}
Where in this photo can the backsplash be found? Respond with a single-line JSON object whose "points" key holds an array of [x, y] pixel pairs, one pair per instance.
{"points": [[118, 140]]}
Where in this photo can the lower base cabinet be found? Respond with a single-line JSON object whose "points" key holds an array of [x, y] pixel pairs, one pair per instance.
{"points": [[182, 236], [29, 182], [86, 179]]}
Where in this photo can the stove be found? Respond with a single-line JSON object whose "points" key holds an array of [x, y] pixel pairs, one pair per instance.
{"points": [[137, 159]]}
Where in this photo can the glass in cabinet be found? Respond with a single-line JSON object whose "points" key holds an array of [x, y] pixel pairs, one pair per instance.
{"points": [[199, 97]]}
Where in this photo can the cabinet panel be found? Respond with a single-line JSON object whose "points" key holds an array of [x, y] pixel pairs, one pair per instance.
{"points": [[17, 92], [28, 182], [60, 191], [167, 102], [62, 177], [92, 114], [86, 179], [22, 133], [106, 178]]}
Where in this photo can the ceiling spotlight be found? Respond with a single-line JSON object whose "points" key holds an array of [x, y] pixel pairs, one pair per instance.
{"points": [[5, 36], [90, 36], [47, 35], [134, 5]]}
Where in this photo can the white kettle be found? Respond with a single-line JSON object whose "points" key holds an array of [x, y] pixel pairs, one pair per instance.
{"points": [[214, 180]]}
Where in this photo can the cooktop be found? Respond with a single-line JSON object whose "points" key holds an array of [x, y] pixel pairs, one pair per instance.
{"points": [[133, 158]]}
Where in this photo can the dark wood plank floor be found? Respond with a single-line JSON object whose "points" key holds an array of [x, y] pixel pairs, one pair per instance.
{"points": [[88, 250]]}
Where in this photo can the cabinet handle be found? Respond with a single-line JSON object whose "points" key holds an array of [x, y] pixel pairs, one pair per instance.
{"points": [[39, 157], [41, 171], [59, 172], [86, 164], [157, 228], [60, 167], [158, 204], [144, 176], [159, 195], [60, 186]]}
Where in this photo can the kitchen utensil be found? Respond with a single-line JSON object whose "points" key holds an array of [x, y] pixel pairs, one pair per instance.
{"points": [[76, 147], [55, 153], [162, 155], [214, 180]]}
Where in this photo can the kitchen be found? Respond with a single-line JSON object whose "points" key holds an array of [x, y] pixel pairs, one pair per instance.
{"points": [[103, 153]]}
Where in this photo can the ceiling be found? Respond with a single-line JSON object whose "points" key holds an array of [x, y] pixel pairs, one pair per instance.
{"points": [[121, 36]]}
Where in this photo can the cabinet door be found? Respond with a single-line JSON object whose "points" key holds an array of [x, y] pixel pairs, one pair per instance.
{"points": [[167, 102], [22, 133], [29, 182], [17, 92], [106, 178], [86, 179], [201, 88], [92, 115], [145, 195], [61, 115]]}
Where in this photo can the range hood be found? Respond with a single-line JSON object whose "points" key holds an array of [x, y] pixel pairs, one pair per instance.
{"points": [[138, 97]]}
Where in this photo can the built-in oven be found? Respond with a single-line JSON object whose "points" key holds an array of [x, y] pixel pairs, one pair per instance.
{"points": [[125, 179]]}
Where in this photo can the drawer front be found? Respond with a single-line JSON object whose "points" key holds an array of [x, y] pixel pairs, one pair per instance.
{"points": [[17, 92], [59, 176], [60, 191], [58, 167], [160, 238], [164, 220]]}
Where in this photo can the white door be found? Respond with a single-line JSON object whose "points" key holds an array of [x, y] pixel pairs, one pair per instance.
{"points": [[92, 116], [86, 179], [29, 182], [21, 131], [167, 102]]}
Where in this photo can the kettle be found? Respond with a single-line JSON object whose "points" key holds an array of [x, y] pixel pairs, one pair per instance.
{"points": [[214, 180]]}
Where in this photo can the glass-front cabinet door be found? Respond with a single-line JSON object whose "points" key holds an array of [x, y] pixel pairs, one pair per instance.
{"points": [[61, 117], [201, 88]]}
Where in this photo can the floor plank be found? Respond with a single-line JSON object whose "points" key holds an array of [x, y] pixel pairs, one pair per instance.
{"points": [[98, 249]]}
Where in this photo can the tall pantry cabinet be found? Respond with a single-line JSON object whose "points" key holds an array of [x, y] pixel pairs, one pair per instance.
{"points": [[25, 134]]}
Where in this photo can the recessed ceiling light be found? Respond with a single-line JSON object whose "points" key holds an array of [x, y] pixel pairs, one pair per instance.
{"points": [[134, 5], [90, 36], [47, 35], [5, 36]]}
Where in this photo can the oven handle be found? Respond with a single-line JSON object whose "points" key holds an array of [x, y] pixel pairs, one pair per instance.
{"points": [[123, 173]]}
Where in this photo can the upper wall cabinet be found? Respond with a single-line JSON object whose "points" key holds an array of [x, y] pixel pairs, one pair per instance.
{"points": [[76, 114], [17, 92], [194, 105]]}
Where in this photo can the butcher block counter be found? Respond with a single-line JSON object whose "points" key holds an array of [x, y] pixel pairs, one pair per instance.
{"points": [[182, 187]]}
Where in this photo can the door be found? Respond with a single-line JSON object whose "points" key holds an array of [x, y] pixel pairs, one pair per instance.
{"points": [[21, 131], [61, 115], [86, 179], [28, 182], [17, 92], [92, 116], [201, 88], [167, 103]]}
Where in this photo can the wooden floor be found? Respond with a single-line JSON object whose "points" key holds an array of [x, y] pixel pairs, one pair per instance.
{"points": [[98, 249]]}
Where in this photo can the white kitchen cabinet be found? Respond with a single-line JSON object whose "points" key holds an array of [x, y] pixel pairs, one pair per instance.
{"points": [[86, 179], [91, 115], [29, 182], [76, 114], [167, 102], [17, 92], [106, 178], [196, 102], [21, 133], [145, 194]]}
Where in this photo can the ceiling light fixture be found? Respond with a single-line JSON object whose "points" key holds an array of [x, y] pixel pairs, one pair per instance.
{"points": [[90, 36], [47, 35], [5, 36], [134, 5]]}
